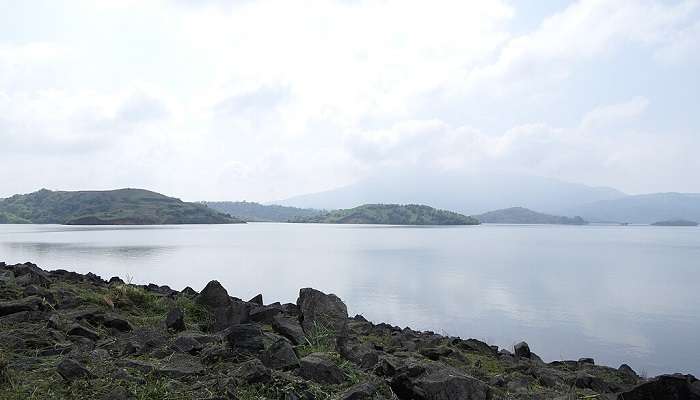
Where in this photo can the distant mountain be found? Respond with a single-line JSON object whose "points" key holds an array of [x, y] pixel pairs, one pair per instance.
{"points": [[250, 211], [642, 209], [465, 193], [676, 222], [391, 214], [521, 215], [110, 207]]}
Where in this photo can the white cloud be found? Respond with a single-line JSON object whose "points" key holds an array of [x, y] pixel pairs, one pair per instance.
{"points": [[263, 100]]}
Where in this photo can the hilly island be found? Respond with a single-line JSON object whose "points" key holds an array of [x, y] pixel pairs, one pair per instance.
{"points": [[109, 207], [391, 214]]}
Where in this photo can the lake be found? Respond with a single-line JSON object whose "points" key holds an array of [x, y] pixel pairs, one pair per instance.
{"points": [[617, 294]]}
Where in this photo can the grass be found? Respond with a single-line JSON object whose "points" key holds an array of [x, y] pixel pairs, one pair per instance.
{"points": [[140, 306], [319, 339]]}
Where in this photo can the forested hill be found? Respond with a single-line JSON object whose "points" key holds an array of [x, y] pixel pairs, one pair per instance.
{"points": [[250, 211], [520, 215], [392, 214], [110, 207]]}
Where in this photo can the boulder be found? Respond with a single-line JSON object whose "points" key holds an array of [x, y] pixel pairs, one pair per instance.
{"points": [[31, 303], [258, 299], [587, 381], [522, 350], [226, 311], [280, 355], [252, 371], [586, 361], [264, 314], [290, 328], [320, 310], [319, 368], [175, 320], [115, 321], [7, 277], [115, 280], [179, 366], [70, 369], [187, 344], [477, 346], [361, 391], [189, 292], [245, 337], [665, 387], [440, 385], [627, 370], [79, 330]]}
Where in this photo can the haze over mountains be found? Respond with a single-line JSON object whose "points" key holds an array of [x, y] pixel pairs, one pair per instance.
{"points": [[473, 194]]}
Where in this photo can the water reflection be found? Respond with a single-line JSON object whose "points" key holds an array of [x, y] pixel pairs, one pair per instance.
{"points": [[568, 291]]}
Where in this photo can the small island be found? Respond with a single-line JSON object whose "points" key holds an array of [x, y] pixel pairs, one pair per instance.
{"points": [[521, 215], [108, 207], [675, 222], [391, 214]]}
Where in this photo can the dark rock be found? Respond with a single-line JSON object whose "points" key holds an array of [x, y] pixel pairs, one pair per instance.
{"points": [[175, 320], [122, 374], [665, 387], [116, 322], [264, 314], [452, 387], [187, 344], [245, 337], [226, 312], [587, 381], [361, 391], [522, 350], [31, 303], [94, 278], [319, 368], [258, 299], [38, 291], [79, 330], [179, 366], [477, 346], [252, 371], [7, 277], [70, 370], [627, 370], [290, 328], [189, 292], [30, 274], [280, 355], [586, 361], [290, 309], [115, 280], [216, 352], [434, 353], [120, 393], [214, 296], [318, 309]]}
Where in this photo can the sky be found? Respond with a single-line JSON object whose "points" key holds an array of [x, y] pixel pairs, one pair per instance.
{"points": [[263, 100]]}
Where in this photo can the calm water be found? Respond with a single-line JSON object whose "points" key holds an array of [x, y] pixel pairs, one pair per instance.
{"points": [[618, 294]]}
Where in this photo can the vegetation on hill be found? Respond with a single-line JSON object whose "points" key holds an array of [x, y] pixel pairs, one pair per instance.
{"points": [[391, 214], [251, 211], [112, 207], [642, 209], [520, 215], [676, 222]]}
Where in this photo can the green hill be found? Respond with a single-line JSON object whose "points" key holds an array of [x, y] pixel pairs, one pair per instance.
{"points": [[110, 207], [391, 214], [250, 211], [520, 215]]}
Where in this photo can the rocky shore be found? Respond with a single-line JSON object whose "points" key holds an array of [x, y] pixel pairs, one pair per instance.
{"points": [[74, 336]]}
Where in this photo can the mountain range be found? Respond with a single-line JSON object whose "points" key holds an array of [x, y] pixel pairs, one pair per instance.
{"points": [[474, 194]]}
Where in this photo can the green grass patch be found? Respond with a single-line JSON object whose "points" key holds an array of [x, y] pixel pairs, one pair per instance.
{"points": [[319, 339]]}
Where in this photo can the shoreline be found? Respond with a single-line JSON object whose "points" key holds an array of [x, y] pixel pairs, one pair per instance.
{"points": [[66, 334]]}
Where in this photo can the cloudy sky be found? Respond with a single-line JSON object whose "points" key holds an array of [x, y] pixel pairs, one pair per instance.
{"points": [[262, 100]]}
